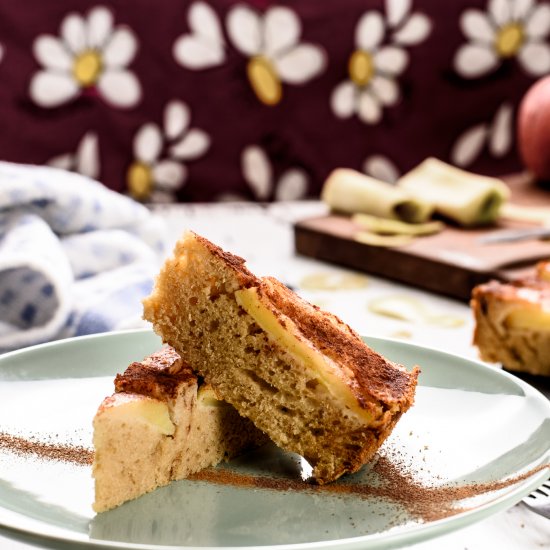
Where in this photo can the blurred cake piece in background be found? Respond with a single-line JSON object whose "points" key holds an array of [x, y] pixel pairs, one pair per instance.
{"points": [[512, 322]]}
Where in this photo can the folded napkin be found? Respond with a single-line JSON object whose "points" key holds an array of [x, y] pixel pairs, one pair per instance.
{"points": [[75, 257]]}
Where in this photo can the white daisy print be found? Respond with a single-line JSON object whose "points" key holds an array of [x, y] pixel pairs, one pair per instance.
{"points": [[373, 67], [381, 168], [272, 43], [510, 28], [408, 29], [258, 173], [497, 135], [85, 160], [90, 56], [204, 46], [157, 171]]}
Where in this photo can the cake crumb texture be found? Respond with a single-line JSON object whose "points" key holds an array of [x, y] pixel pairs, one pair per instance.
{"points": [[299, 374]]}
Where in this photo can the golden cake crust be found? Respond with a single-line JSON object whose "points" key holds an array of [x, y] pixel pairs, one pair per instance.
{"points": [[236, 263]]}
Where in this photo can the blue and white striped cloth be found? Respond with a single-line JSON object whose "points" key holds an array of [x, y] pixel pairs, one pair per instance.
{"points": [[75, 257]]}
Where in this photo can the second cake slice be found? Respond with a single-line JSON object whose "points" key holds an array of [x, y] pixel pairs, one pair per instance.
{"points": [[161, 424]]}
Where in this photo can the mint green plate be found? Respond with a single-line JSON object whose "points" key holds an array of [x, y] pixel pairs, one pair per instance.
{"points": [[470, 423]]}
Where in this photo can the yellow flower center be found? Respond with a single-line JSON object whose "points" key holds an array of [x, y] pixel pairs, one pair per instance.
{"points": [[87, 67], [140, 180], [509, 39], [264, 80], [361, 67]]}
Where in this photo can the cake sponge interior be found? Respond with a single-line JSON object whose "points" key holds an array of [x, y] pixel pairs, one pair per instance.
{"points": [[299, 374]]}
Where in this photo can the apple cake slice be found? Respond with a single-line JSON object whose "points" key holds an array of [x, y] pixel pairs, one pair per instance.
{"points": [[161, 425], [512, 322], [301, 375]]}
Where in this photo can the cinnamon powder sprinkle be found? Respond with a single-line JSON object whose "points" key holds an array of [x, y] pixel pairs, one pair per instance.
{"points": [[424, 502], [433, 502], [398, 482], [74, 454]]}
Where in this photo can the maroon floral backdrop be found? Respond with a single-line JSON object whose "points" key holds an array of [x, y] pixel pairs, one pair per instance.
{"points": [[216, 99]]}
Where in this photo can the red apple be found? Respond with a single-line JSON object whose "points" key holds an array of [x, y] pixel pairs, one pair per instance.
{"points": [[534, 129]]}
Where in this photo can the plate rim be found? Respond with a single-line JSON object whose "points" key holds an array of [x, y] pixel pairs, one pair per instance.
{"points": [[411, 535]]}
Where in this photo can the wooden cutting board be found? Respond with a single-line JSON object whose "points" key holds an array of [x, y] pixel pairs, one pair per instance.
{"points": [[449, 263]]}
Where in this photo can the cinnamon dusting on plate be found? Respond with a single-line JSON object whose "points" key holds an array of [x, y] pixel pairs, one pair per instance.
{"points": [[74, 454], [398, 481], [422, 501]]}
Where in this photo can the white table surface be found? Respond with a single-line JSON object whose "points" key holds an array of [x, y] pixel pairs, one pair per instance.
{"points": [[263, 235]]}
